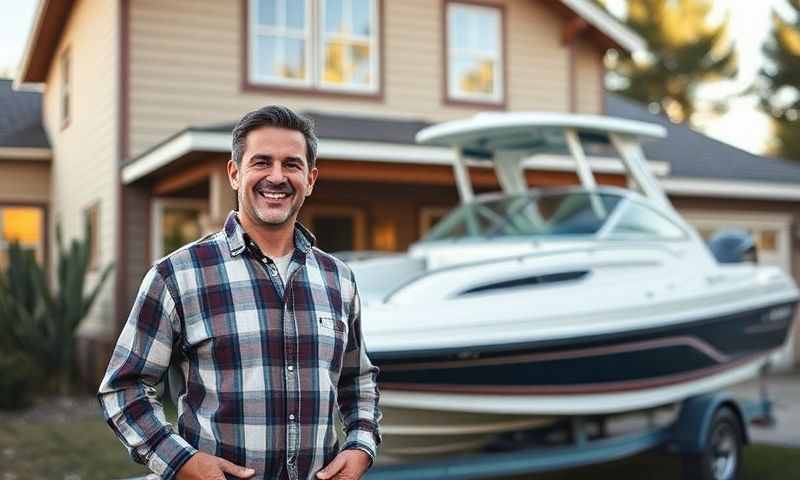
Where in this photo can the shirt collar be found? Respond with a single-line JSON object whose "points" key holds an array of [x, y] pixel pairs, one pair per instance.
{"points": [[303, 238]]}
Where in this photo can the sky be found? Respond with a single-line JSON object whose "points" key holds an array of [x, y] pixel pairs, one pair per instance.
{"points": [[743, 126]]}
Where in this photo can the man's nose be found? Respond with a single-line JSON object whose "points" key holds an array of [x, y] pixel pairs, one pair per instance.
{"points": [[275, 174]]}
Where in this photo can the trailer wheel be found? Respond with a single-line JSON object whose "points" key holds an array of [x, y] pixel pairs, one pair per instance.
{"points": [[721, 458]]}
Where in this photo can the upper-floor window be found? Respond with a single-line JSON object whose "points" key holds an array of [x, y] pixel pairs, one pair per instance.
{"points": [[474, 53], [319, 44], [65, 89]]}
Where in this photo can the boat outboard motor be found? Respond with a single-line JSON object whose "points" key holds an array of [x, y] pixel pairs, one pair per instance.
{"points": [[733, 246]]}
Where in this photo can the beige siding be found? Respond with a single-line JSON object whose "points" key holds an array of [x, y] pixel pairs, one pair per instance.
{"points": [[84, 171], [185, 66], [588, 69], [24, 181]]}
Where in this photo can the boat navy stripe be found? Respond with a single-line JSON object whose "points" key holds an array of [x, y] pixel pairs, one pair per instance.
{"points": [[606, 387], [693, 342]]}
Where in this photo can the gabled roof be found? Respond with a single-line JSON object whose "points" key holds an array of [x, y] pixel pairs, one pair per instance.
{"points": [[48, 25], [51, 18], [21, 118], [694, 155]]}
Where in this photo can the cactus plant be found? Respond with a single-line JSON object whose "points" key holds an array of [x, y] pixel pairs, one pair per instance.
{"points": [[41, 320]]}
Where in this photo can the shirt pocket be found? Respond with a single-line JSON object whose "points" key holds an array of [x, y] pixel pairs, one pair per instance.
{"points": [[331, 340]]}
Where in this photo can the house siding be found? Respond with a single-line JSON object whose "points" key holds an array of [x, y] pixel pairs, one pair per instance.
{"points": [[589, 70], [24, 181], [736, 207], [185, 67], [84, 170]]}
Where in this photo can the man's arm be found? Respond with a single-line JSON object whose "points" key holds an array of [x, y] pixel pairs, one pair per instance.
{"points": [[358, 388], [127, 393]]}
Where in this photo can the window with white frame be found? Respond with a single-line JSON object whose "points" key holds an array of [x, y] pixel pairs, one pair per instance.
{"points": [[322, 44], [280, 38], [474, 53]]}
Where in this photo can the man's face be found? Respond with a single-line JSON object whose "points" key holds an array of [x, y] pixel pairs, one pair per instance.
{"points": [[273, 179]]}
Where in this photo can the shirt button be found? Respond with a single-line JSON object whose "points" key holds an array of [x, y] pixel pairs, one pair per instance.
{"points": [[291, 368], [291, 416], [264, 260]]}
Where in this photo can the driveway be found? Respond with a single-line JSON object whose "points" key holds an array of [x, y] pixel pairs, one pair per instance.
{"points": [[784, 391]]}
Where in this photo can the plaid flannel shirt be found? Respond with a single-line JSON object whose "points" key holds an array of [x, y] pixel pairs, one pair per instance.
{"points": [[258, 370]]}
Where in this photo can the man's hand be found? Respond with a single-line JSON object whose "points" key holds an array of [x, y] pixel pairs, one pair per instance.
{"points": [[203, 466], [347, 465]]}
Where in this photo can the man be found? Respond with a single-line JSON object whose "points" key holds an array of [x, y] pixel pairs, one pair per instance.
{"points": [[260, 333]]}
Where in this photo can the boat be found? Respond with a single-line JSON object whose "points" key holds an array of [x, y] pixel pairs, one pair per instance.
{"points": [[526, 306]]}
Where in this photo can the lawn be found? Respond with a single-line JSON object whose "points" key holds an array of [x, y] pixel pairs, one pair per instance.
{"points": [[68, 440]]}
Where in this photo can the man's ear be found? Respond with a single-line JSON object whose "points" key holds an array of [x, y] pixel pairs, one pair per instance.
{"points": [[233, 174], [312, 179]]}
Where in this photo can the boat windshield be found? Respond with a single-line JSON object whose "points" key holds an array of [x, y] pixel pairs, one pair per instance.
{"points": [[529, 214]]}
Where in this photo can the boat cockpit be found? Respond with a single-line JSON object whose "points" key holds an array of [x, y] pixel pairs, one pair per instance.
{"points": [[566, 213]]}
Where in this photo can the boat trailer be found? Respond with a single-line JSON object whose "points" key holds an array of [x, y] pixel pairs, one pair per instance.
{"points": [[709, 433]]}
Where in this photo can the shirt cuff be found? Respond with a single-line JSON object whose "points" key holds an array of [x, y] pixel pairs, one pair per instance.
{"points": [[169, 456], [364, 440]]}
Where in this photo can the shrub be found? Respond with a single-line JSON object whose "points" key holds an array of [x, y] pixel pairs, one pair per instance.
{"points": [[19, 378]]}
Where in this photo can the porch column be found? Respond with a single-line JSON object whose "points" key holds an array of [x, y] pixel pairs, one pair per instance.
{"points": [[221, 200]]}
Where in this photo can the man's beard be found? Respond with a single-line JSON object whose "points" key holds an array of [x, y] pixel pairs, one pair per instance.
{"points": [[273, 217]]}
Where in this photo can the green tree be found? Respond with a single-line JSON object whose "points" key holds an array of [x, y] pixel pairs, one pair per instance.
{"points": [[778, 83], [686, 49]]}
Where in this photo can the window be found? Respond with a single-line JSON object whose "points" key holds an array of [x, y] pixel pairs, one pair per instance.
{"points": [[65, 89], [176, 222], [319, 44], [24, 225], [474, 53], [430, 216], [336, 228], [280, 40], [92, 217], [638, 220]]}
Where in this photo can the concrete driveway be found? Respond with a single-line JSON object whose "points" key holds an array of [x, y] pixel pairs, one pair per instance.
{"points": [[784, 391]]}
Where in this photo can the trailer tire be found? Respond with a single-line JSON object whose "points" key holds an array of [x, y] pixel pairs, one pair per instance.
{"points": [[721, 458]]}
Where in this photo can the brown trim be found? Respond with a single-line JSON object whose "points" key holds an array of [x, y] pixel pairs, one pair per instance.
{"points": [[183, 178], [65, 117], [569, 37], [91, 214], [148, 228], [602, 79], [455, 102], [315, 91], [122, 154], [46, 227], [442, 175], [572, 82], [43, 41], [599, 39]]}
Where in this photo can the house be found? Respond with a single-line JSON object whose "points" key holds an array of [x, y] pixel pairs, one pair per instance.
{"points": [[139, 97], [24, 172]]}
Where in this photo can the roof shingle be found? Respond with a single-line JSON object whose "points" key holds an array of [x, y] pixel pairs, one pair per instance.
{"points": [[21, 118]]}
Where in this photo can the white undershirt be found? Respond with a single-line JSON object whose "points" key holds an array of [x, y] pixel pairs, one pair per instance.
{"points": [[283, 265]]}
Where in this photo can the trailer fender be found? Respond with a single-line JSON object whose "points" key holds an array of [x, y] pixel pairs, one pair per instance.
{"points": [[691, 428]]}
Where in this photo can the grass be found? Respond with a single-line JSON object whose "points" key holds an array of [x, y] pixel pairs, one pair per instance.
{"points": [[78, 450], [78, 445]]}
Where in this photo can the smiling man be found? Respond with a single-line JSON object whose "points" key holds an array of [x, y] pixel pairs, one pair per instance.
{"points": [[260, 333]]}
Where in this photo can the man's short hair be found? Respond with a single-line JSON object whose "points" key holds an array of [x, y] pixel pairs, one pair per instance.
{"points": [[274, 116]]}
